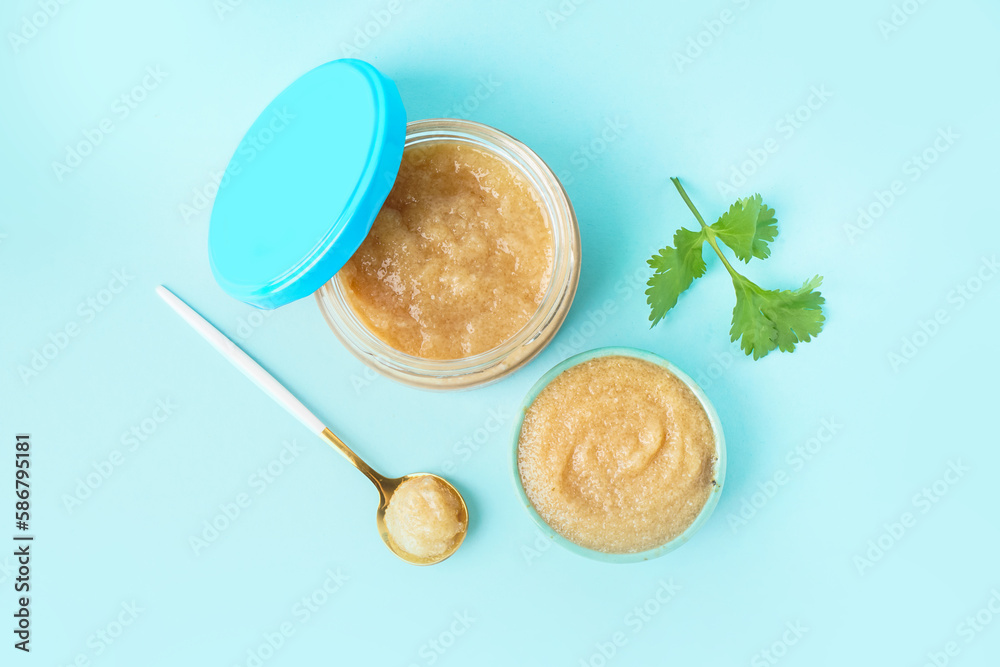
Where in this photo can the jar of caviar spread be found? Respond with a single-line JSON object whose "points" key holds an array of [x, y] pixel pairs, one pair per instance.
{"points": [[443, 253]]}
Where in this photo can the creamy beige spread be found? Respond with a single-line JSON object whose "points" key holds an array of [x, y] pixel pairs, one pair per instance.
{"points": [[425, 517], [458, 259], [617, 455]]}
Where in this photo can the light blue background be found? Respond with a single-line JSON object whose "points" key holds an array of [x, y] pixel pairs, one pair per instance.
{"points": [[555, 86]]}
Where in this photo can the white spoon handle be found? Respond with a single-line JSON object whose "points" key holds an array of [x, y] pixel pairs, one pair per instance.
{"points": [[242, 361]]}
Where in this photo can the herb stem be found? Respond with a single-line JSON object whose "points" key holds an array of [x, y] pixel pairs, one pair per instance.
{"points": [[708, 231], [687, 200]]}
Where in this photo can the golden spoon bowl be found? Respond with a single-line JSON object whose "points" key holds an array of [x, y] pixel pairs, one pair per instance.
{"points": [[388, 486]]}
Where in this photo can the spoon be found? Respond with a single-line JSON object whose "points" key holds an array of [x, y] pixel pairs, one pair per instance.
{"points": [[386, 485]]}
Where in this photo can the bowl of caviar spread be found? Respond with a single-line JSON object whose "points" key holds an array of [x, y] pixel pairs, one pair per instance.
{"points": [[618, 455]]}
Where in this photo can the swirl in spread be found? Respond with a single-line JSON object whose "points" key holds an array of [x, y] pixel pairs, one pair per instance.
{"points": [[617, 455]]}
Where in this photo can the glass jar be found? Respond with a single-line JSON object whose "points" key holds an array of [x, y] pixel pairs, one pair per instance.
{"points": [[493, 364]]}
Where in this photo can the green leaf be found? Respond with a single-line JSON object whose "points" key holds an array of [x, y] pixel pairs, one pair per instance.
{"points": [[763, 320], [675, 268], [767, 231], [769, 319], [747, 227]]}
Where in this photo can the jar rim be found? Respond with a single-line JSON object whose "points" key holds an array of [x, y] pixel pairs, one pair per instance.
{"points": [[490, 365]]}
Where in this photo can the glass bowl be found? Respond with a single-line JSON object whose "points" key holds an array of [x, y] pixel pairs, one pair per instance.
{"points": [[720, 465]]}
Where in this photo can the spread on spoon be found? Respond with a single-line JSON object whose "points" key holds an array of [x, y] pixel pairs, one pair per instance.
{"points": [[425, 517], [617, 454]]}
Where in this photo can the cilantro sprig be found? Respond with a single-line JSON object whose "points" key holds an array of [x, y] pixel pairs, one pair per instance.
{"points": [[763, 320]]}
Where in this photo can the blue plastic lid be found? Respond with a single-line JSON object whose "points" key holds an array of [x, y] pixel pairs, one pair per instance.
{"points": [[304, 186]]}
